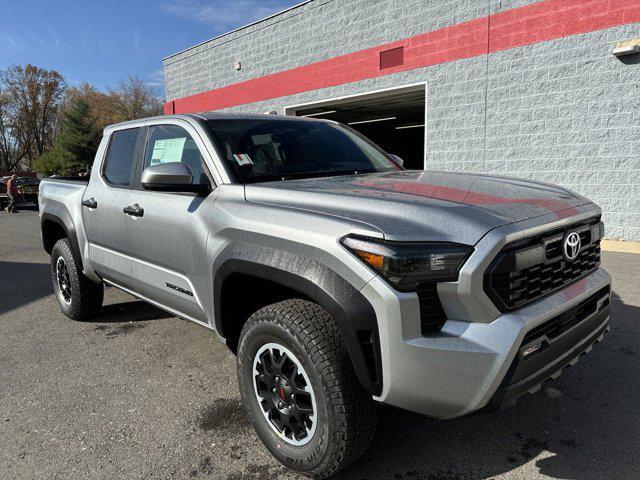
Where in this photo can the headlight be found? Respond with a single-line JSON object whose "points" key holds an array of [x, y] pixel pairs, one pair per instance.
{"points": [[405, 264]]}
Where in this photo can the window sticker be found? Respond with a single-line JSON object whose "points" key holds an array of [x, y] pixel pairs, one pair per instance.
{"points": [[243, 159], [168, 150]]}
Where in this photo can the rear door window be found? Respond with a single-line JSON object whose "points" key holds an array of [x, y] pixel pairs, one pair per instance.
{"points": [[120, 157]]}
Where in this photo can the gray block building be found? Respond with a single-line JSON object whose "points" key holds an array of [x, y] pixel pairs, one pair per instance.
{"points": [[548, 90]]}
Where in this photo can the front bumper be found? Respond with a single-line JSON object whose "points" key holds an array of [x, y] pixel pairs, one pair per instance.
{"points": [[554, 345], [476, 362], [470, 365]]}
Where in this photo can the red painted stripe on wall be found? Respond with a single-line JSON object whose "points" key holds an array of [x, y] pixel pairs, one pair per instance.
{"points": [[538, 22]]}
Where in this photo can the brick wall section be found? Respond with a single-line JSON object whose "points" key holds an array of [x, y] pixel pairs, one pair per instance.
{"points": [[563, 111]]}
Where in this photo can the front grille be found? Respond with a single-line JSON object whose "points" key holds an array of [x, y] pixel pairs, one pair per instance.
{"points": [[532, 268], [432, 316]]}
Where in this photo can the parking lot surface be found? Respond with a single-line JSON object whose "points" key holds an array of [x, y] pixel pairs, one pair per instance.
{"points": [[138, 393]]}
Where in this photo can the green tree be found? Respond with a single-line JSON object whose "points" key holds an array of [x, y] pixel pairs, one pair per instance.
{"points": [[75, 145]]}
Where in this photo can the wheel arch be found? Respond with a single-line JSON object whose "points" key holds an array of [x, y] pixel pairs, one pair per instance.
{"points": [[307, 279], [54, 228]]}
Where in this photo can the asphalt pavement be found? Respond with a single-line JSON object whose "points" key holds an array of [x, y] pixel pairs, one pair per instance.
{"points": [[138, 393]]}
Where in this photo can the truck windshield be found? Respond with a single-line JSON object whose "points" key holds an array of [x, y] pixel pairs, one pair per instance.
{"points": [[270, 149]]}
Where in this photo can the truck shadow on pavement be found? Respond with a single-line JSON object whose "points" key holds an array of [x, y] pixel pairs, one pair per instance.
{"points": [[581, 426], [127, 312], [22, 283], [119, 319]]}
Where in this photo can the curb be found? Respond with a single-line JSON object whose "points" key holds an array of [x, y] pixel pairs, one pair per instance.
{"points": [[619, 246]]}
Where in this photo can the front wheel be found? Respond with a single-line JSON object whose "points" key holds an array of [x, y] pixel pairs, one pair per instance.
{"points": [[300, 390], [79, 298]]}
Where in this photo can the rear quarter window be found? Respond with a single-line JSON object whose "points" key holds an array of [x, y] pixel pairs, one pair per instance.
{"points": [[120, 157]]}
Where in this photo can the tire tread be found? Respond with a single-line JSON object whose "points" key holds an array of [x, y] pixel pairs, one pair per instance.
{"points": [[354, 412], [87, 296]]}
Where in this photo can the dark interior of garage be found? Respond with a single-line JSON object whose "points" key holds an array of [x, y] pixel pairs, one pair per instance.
{"points": [[393, 119]]}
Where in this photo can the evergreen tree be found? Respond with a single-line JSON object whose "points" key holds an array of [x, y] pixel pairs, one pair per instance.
{"points": [[76, 144]]}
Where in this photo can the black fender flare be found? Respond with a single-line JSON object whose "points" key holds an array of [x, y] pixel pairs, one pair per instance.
{"points": [[352, 312], [66, 223]]}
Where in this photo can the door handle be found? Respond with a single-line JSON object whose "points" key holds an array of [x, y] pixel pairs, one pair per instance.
{"points": [[90, 203], [134, 210]]}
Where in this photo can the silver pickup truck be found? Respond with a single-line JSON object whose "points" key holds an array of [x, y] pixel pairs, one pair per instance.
{"points": [[339, 279]]}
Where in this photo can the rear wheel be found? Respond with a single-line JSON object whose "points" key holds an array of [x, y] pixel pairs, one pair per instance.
{"points": [[300, 391], [79, 298]]}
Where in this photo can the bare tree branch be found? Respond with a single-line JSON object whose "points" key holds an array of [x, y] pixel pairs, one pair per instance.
{"points": [[136, 99], [37, 94]]}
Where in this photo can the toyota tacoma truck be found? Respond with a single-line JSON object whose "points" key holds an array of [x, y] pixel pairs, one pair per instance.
{"points": [[339, 279]]}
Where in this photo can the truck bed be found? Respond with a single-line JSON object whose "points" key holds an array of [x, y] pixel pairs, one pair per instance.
{"points": [[62, 197], [61, 179]]}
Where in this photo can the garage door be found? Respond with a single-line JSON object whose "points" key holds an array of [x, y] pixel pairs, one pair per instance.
{"points": [[394, 119]]}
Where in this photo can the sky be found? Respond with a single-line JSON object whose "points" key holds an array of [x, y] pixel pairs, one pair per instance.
{"points": [[101, 42]]}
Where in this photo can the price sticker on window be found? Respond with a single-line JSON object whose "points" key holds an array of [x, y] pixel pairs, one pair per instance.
{"points": [[168, 150]]}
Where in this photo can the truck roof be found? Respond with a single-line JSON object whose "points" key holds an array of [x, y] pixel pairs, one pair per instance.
{"points": [[245, 116], [212, 116]]}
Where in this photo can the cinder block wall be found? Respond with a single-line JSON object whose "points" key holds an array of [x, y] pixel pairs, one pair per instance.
{"points": [[563, 111], [315, 31]]}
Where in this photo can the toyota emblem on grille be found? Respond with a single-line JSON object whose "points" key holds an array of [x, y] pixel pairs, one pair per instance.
{"points": [[571, 246]]}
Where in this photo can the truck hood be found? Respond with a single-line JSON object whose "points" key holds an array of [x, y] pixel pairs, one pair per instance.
{"points": [[422, 205]]}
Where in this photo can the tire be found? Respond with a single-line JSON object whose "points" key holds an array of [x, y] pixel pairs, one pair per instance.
{"points": [[303, 334], [79, 298]]}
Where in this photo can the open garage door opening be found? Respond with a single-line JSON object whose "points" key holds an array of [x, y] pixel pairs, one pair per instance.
{"points": [[394, 119]]}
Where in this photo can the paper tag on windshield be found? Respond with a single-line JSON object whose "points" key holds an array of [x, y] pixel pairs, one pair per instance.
{"points": [[242, 159]]}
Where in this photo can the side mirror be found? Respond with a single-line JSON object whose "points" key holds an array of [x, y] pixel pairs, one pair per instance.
{"points": [[397, 160], [170, 177]]}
